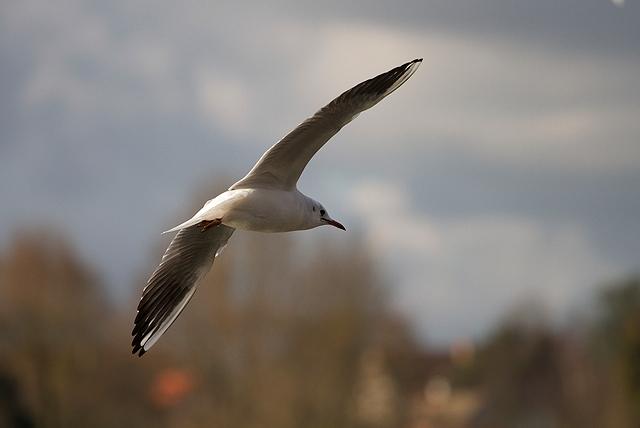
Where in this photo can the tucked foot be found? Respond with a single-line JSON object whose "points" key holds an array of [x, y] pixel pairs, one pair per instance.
{"points": [[207, 224]]}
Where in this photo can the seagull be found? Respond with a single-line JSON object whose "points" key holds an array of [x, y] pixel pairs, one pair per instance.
{"points": [[265, 200]]}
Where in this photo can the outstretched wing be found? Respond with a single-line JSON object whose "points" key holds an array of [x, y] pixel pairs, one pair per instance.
{"points": [[172, 284], [280, 167]]}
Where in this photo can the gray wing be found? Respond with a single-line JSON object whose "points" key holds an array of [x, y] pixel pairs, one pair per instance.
{"points": [[170, 287], [280, 167]]}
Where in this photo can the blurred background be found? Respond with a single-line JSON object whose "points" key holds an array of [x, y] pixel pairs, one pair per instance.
{"points": [[489, 275]]}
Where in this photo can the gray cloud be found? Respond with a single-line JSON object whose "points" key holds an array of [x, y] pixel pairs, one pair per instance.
{"points": [[587, 25]]}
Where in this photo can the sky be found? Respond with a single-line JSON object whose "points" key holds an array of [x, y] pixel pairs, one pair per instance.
{"points": [[507, 169]]}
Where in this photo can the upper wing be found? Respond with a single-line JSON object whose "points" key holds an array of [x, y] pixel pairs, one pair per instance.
{"points": [[170, 287], [281, 166]]}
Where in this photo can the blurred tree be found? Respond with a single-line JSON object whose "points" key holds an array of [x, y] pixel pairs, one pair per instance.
{"points": [[532, 376], [616, 338], [13, 413], [291, 333], [525, 377], [49, 322], [57, 350]]}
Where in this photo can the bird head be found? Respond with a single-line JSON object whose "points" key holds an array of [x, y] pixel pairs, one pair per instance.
{"points": [[321, 217]]}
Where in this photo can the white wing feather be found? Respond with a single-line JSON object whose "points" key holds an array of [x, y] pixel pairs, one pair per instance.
{"points": [[280, 167], [173, 283]]}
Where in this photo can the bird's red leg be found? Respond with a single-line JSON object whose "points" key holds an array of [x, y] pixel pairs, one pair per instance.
{"points": [[207, 224]]}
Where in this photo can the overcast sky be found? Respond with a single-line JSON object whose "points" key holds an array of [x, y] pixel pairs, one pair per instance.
{"points": [[507, 168]]}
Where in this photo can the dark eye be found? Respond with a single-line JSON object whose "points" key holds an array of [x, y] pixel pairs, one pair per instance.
{"points": [[314, 209], [322, 212]]}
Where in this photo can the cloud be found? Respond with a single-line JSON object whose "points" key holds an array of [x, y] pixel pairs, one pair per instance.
{"points": [[573, 25], [225, 102], [509, 103], [457, 277]]}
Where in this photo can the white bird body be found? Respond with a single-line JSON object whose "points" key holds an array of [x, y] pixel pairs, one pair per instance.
{"points": [[258, 210], [265, 200]]}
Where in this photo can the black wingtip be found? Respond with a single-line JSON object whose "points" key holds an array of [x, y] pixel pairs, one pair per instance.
{"points": [[406, 66], [137, 349]]}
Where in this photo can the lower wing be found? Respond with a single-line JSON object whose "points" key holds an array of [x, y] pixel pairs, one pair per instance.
{"points": [[171, 286]]}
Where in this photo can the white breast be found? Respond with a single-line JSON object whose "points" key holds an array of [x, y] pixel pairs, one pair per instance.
{"points": [[265, 210]]}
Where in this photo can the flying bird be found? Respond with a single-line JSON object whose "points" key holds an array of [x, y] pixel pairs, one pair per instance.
{"points": [[265, 200]]}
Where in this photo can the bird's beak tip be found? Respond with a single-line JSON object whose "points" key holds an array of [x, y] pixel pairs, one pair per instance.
{"points": [[336, 224]]}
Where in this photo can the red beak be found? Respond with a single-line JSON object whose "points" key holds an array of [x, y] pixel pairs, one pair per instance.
{"points": [[336, 224]]}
